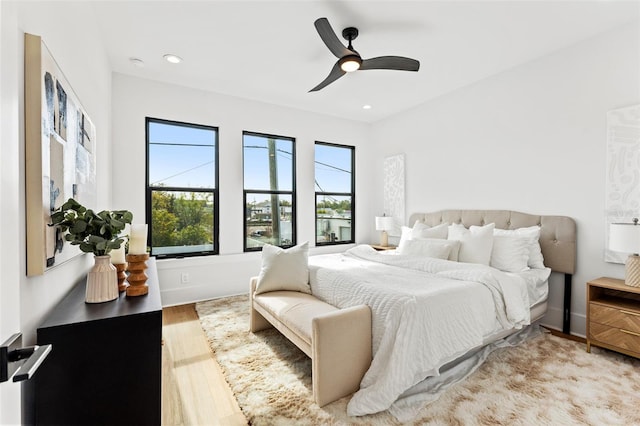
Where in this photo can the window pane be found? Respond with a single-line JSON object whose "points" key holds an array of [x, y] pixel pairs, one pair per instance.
{"points": [[182, 179], [180, 134], [181, 166], [334, 193], [333, 168], [333, 218], [181, 222], [268, 163], [269, 220]]}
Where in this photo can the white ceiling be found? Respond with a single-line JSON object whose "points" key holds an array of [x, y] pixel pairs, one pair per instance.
{"points": [[269, 51]]}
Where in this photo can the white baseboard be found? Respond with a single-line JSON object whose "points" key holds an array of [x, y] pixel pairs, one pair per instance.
{"points": [[553, 319], [198, 293]]}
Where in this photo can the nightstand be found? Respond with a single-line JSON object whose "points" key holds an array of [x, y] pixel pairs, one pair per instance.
{"points": [[382, 248], [613, 316]]}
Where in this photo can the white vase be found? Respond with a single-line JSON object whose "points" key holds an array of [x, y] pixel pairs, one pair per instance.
{"points": [[102, 281]]}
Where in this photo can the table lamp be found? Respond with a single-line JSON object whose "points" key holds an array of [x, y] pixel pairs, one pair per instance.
{"points": [[384, 224], [625, 238]]}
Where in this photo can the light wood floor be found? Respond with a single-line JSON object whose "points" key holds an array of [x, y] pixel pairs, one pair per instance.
{"points": [[194, 391]]}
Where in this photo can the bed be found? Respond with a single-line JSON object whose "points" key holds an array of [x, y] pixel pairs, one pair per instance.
{"points": [[416, 328], [557, 239]]}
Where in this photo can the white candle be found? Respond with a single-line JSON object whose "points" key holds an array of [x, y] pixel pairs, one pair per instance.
{"points": [[138, 239], [117, 255]]}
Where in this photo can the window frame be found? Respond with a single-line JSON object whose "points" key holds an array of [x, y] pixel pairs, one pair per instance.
{"points": [[292, 192], [215, 190], [351, 194]]}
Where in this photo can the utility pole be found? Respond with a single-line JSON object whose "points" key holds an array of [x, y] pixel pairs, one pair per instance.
{"points": [[273, 185]]}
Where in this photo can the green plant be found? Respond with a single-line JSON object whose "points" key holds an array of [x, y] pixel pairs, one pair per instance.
{"points": [[95, 233]]}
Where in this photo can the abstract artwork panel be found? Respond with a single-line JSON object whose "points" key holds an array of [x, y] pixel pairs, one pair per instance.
{"points": [[60, 155], [622, 202]]}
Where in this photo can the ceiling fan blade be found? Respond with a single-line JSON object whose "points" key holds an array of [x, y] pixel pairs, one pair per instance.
{"points": [[336, 73], [390, 63], [331, 39]]}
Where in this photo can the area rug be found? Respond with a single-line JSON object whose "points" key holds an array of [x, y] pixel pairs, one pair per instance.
{"points": [[546, 380]]}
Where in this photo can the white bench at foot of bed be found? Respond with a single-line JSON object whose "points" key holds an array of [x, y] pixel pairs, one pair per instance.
{"points": [[338, 341]]}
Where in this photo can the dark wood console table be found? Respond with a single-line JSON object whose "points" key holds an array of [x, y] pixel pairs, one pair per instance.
{"points": [[106, 364]]}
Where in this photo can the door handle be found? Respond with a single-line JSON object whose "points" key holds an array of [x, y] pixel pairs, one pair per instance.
{"points": [[18, 362]]}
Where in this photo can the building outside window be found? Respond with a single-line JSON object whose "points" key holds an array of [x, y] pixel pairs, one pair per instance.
{"points": [[182, 188], [269, 191], [335, 193]]}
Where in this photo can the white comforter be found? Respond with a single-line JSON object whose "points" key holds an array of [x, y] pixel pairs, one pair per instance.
{"points": [[426, 312]]}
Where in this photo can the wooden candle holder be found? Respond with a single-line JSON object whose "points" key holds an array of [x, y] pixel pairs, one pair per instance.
{"points": [[137, 278], [122, 276]]}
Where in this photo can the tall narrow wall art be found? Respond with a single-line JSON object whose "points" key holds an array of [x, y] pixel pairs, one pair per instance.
{"points": [[60, 154], [394, 191], [622, 202]]}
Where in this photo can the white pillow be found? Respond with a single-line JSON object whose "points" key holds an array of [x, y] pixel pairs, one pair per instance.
{"points": [[284, 269], [510, 253], [429, 247], [475, 243], [533, 234], [406, 234], [420, 230]]}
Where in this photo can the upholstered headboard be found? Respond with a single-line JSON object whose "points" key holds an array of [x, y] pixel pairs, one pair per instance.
{"points": [[557, 233]]}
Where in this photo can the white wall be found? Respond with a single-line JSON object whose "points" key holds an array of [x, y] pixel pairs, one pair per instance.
{"points": [[531, 139], [9, 198], [227, 273], [68, 31]]}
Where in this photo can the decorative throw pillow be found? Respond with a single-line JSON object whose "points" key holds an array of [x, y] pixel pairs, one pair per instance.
{"points": [[510, 253], [427, 247], [284, 269], [533, 234], [420, 230], [475, 243]]}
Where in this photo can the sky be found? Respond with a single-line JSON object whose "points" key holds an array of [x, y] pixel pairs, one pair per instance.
{"points": [[184, 157]]}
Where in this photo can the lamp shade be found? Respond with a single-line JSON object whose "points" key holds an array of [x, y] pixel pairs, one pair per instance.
{"points": [[624, 237], [384, 223]]}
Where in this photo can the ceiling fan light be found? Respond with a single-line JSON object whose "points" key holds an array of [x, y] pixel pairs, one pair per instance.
{"points": [[350, 66], [350, 63]]}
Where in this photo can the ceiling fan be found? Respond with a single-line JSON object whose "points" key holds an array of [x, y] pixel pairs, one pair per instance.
{"points": [[349, 59]]}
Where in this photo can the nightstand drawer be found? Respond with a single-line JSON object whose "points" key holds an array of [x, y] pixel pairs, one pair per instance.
{"points": [[620, 338], [615, 317]]}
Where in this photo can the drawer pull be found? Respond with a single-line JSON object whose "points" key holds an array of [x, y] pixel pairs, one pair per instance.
{"points": [[630, 332], [636, 314]]}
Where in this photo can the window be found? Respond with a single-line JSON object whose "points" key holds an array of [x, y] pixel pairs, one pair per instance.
{"points": [[335, 193], [269, 191], [182, 188]]}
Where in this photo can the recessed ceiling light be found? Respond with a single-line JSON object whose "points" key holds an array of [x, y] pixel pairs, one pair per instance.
{"points": [[174, 59], [137, 62], [366, 106]]}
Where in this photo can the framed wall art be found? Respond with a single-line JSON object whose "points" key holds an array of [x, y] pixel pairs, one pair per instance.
{"points": [[60, 155]]}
